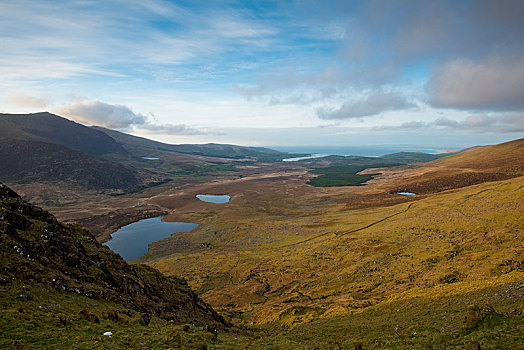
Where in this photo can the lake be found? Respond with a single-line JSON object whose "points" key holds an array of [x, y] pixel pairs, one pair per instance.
{"points": [[211, 198], [131, 241], [407, 193], [296, 159]]}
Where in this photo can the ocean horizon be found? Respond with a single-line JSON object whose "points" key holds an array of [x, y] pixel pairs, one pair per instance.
{"points": [[369, 151]]}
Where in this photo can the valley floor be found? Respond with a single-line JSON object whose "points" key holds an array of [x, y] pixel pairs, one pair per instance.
{"points": [[295, 266]]}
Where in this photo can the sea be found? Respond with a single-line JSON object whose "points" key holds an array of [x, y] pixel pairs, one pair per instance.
{"points": [[368, 151]]}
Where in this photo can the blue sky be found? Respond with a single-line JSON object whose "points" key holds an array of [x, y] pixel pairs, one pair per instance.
{"points": [[425, 73]]}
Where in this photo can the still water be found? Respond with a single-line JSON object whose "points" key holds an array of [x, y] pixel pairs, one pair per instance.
{"points": [[210, 198], [131, 241]]}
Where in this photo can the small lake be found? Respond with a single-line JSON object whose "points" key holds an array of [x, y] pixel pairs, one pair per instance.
{"points": [[131, 241], [313, 156], [210, 198], [407, 193]]}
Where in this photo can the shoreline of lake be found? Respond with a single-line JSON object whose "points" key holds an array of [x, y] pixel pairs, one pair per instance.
{"points": [[132, 241]]}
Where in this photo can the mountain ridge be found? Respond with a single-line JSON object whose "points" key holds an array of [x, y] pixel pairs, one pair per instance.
{"points": [[48, 127], [141, 146], [27, 161], [39, 249]]}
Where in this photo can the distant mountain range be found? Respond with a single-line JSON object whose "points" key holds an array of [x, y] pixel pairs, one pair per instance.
{"points": [[43, 147], [46, 148], [142, 147]]}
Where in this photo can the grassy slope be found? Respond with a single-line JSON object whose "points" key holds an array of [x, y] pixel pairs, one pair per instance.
{"points": [[53, 128], [52, 320], [420, 322], [50, 271], [442, 250], [390, 277], [507, 156], [35, 161], [478, 165]]}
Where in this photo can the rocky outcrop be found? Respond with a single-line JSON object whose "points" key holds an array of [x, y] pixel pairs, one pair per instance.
{"points": [[39, 249]]}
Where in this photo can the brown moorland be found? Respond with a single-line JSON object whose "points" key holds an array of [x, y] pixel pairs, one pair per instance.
{"points": [[332, 267], [285, 252]]}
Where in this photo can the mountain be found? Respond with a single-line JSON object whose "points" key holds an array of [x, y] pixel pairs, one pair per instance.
{"points": [[143, 147], [413, 157], [135, 145], [39, 252], [52, 128], [306, 267], [27, 161], [503, 157], [469, 167]]}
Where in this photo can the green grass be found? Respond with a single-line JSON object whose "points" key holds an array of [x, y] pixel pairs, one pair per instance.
{"points": [[427, 322], [343, 175], [339, 175], [350, 268], [203, 169], [53, 319], [343, 170]]}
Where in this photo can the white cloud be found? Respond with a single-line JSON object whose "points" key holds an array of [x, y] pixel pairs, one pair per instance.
{"points": [[237, 25], [95, 112], [372, 104], [505, 123], [484, 123], [171, 129]]}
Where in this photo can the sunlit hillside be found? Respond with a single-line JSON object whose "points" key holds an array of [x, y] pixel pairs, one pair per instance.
{"points": [[290, 265]]}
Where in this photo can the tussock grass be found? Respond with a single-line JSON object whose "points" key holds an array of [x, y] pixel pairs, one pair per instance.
{"points": [[362, 265]]}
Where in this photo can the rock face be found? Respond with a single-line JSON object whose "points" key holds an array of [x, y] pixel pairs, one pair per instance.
{"points": [[38, 249]]}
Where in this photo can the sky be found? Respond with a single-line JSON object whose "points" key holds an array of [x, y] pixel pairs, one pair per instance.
{"points": [[429, 73]]}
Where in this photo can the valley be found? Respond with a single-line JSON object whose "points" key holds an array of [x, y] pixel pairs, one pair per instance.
{"points": [[293, 263], [264, 175]]}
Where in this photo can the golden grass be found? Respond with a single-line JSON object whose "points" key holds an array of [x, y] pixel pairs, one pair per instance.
{"points": [[318, 264]]}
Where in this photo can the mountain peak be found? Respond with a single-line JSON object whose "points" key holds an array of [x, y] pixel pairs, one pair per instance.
{"points": [[48, 127]]}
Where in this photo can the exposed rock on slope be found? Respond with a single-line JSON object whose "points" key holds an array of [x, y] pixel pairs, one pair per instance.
{"points": [[38, 249]]}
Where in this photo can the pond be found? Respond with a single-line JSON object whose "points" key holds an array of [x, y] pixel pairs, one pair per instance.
{"points": [[211, 198], [407, 193], [131, 241]]}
